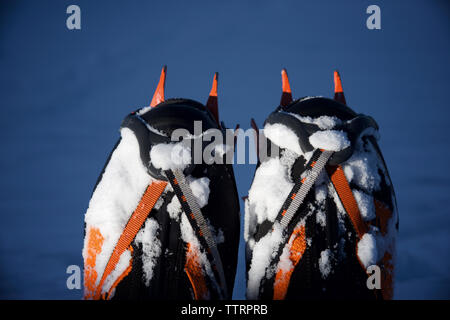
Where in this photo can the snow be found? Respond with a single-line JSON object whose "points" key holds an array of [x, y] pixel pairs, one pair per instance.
{"points": [[283, 137], [263, 252], [365, 204], [143, 110], [151, 247], [331, 140], [367, 250], [187, 233], [154, 130], [200, 189], [173, 156], [126, 178], [272, 183], [323, 122], [174, 208], [321, 191], [122, 265], [269, 190], [325, 259], [249, 223], [285, 263], [310, 97], [321, 218], [124, 181], [362, 169], [160, 201]]}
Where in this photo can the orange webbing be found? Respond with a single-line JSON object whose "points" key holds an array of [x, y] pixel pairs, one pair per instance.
{"points": [[297, 242], [94, 247], [138, 217], [123, 275], [195, 274], [383, 214], [348, 200]]}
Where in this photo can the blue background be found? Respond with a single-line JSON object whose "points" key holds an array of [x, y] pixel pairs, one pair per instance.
{"points": [[64, 93]]}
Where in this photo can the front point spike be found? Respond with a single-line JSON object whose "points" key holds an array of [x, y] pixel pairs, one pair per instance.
{"points": [[338, 91], [212, 104], [158, 96], [286, 96]]}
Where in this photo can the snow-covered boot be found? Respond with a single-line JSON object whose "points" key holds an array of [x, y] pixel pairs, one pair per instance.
{"points": [[160, 226], [321, 216]]}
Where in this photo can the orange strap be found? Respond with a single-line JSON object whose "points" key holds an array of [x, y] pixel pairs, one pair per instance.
{"points": [[344, 192], [297, 244], [136, 221], [383, 214], [195, 274], [94, 247], [123, 275]]}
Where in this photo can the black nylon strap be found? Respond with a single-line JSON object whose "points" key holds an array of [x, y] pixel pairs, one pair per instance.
{"points": [[297, 184], [205, 242], [311, 172]]}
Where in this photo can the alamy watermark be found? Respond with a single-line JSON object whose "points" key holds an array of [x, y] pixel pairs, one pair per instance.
{"points": [[73, 21], [74, 279], [373, 22], [220, 146]]}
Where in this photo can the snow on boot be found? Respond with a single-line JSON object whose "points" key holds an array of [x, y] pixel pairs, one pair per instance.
{"points": [[321, 216], [159, 226]]}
